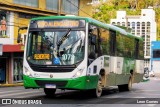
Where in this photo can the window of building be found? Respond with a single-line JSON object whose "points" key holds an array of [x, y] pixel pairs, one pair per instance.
{"points": [[4, 24], [138, 23], [123, 23], [52, 5], [70, 6], [32, 3], [17, 69], [148, 24], [118, 23], [26, 16], [113, 23], [148, 27], [143, 31], [148, 30], [138, 33], [128, 24], [133, 24], [143, 24], [17, 66], [156, 53]]}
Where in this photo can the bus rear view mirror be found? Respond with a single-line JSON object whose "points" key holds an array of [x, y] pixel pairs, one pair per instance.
{"points": [[19, 35], [19, 38]]}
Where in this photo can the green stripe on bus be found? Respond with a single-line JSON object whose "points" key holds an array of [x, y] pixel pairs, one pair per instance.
{"points": [[82, 83]]}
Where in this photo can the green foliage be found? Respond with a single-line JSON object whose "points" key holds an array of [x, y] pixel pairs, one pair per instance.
{"points": [[106, 11]]}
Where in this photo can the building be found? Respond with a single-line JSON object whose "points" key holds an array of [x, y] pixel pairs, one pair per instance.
{"points": [[17, 13], [143, 25], [155, 57]]}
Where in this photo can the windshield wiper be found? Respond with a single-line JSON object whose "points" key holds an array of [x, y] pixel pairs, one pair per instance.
{"points": [[63, 38]]}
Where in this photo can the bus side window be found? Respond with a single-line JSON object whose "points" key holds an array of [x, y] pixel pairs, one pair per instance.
{"points": [[93, 34], [92, 47], [112, 42], [104, 41]]}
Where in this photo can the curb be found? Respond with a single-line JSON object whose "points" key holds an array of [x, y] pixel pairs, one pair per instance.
{"points": [[11, 85]]}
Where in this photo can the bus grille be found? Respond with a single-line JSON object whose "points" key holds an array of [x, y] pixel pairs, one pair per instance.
{"points": [[58, 84]]}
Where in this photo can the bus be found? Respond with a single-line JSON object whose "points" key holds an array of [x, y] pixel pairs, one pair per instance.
{"points": [[80, 53]]}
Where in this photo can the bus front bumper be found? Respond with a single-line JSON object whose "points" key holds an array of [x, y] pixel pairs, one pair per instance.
{"points": [[81, 83]]}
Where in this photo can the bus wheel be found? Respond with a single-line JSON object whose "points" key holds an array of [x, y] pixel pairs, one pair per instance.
{"points": [[129, 87], [50, 92], [98, 91]]}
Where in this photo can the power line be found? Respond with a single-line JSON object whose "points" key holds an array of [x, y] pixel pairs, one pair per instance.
{"points": [[78, 8]]}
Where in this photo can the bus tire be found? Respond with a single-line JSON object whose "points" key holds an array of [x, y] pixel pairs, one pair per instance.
{"points": [[49, 92], [98, 91], [129, 87], [126, 87]]}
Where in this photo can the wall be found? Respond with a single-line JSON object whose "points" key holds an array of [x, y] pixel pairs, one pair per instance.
{"points": [[9, 40], [156, 68], [21, 22]]}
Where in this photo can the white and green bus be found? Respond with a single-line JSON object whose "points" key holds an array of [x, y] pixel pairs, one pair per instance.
{"points": [[79, 53]]}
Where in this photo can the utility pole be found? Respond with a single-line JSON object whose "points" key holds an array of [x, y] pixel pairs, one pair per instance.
{"points": [[59, 7]]}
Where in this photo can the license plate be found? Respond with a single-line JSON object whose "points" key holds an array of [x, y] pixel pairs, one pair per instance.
{"points": [[50, 86]]}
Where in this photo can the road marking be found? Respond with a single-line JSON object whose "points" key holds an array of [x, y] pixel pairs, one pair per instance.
{"points": [[151, 105], [33, 95], [10, 91], [20, 93]]}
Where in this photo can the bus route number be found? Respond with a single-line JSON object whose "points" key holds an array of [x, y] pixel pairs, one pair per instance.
{"points": [[67, 57]]}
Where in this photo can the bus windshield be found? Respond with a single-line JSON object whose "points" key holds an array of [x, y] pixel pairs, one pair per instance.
{"points": [[63, 47]]}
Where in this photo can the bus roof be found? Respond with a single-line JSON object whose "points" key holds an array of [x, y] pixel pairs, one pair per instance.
{"points": [[92, 21]]}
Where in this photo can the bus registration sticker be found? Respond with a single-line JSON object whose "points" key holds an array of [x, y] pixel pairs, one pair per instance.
{"points": [[41, 56], [50, 86]]}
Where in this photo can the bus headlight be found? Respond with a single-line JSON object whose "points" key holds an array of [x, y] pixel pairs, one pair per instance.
{"points": [[27, 72], [78, 73]]}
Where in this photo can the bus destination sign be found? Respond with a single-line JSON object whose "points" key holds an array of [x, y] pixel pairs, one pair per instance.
{"points": [[60, 23]]}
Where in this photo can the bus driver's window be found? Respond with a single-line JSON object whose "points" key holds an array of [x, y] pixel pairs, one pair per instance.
{"points": [[93, 32]]}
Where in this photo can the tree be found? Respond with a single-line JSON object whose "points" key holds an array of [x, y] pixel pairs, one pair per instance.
{"points": [[106, 11]]}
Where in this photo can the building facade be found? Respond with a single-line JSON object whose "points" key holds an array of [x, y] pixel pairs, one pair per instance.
{"points": [[17, 13], [143, 26]]}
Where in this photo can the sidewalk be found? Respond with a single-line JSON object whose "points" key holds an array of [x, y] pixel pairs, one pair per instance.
{"points": [[11, 85]]}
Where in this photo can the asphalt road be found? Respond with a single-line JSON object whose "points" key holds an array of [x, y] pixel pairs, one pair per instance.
{"points": [[141, 92]]}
